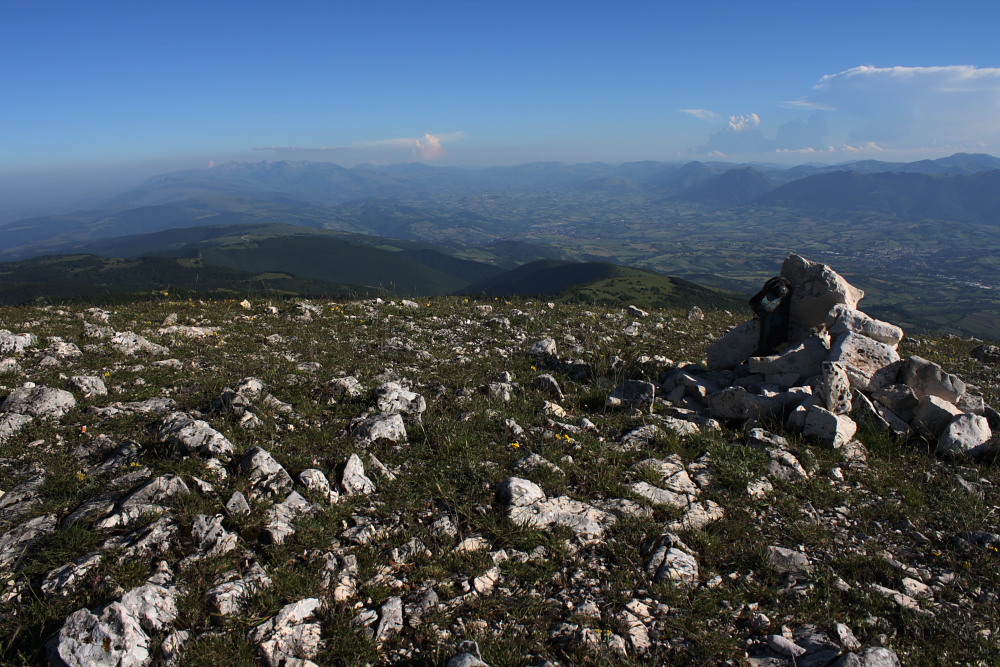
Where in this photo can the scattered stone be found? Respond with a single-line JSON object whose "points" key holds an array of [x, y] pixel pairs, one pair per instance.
{"points": [[528, 506], [110, 636], [64, 579], [281, 516], [988, 354], [131, 343], [966, 435], [928, 378], [42, 402], [669, 559], [353, 481], [289, 637], [265, 475], [345, 388], [788, 561], [89, 385], [11, 343], [381, 427], [390, 619], [210, 536], [237, 505], [317, 483], [152, 605], [633, 392], [16, 543], [194, 436], [549, 385], [228, 598], [392, 398], [11, 423]]}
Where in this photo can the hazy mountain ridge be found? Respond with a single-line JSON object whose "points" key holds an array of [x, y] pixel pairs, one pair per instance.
{"points": [[920, 235]]}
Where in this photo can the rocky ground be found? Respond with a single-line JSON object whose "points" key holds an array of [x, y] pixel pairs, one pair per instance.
{"points": [[465, 483]]}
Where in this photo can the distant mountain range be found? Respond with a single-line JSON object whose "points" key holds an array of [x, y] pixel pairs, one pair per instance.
{"points": [[418, 230], [415, 201]]}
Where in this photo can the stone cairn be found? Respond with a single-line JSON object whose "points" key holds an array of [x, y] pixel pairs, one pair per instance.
{"points": [[811, 358]]}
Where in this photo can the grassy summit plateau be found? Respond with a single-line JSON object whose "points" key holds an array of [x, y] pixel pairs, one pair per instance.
{"points": [[417, 543]]}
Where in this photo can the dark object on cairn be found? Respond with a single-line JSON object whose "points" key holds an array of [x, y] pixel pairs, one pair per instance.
{"points": [[772, 305]]}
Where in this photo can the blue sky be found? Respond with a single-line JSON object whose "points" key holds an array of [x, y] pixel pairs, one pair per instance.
{"points": [[144, 86]]}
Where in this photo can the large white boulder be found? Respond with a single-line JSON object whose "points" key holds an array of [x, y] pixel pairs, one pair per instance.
{"points": [[816, 288]]}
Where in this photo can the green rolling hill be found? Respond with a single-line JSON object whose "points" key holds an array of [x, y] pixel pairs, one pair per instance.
{"points": [[604, 283]]}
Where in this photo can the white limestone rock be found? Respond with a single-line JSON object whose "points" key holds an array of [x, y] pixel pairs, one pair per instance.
{"points": [[42, 402], [390, 619], [738, 403], [804, 359], [11, 343], [381, 427], [835, 390], [669, 559], [15, 543], [210, 536], [131, 343], [927, 378], [673, 486], [966, 435], [266, 476], [155, 491], [735, 347], [833, 431], [633, 392], [842, 319], [545, 348], [89, 385], [228, 598], [108, 637], [194, 436], [354, 482], [518, 492], [291, 634], [153, 606], [345, 388], [861, 357], [11, 423], [64, 579], [280, 518], [788, 561], [579, 517], [393, 398], [816, 288], [933, 414], [317, 483]]}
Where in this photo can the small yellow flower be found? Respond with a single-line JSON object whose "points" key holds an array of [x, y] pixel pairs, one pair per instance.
{"points": [[81, 475], [515, 445]]}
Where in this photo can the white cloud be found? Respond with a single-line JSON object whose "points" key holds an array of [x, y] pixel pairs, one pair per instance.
{"points": [[743, 123], [428, 147], [701, 114], [915, 107], [742, 135]]}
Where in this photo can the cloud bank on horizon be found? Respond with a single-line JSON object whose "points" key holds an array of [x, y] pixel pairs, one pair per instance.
{"points": [[428, 148], [875, 109]]}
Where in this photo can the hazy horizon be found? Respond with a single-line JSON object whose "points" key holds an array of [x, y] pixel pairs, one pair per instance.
{"points": [[107, 93]]}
